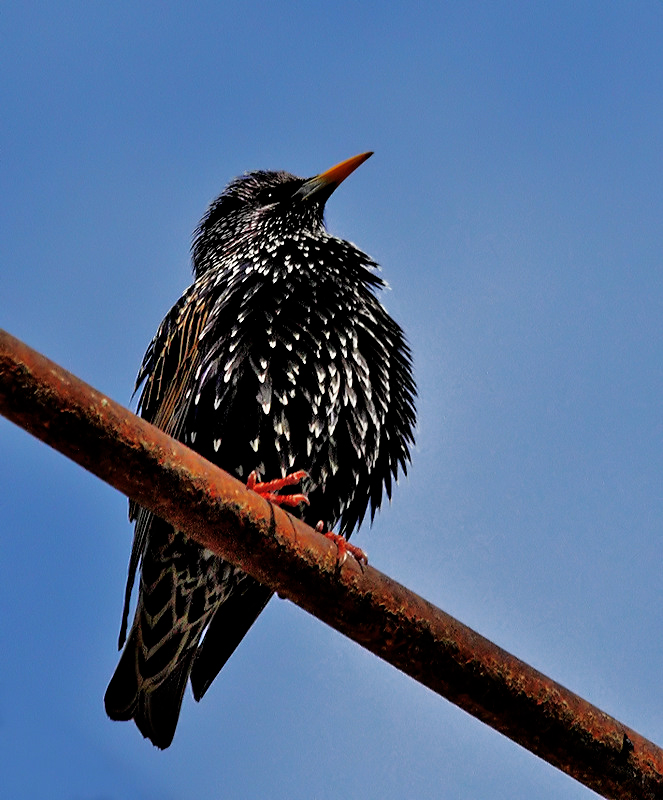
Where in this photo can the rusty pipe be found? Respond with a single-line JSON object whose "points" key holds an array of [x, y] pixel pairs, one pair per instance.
{"points": [[301, 565]]}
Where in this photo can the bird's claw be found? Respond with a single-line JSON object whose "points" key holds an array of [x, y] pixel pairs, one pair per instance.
{"points": [[343, 546], [268, 489]]}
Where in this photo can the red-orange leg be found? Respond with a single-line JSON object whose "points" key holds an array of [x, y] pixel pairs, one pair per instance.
{"points": [[268, 489], [343, 546]]}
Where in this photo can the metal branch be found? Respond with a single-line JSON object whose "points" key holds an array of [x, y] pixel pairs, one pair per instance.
{"points": [[301, 565]]}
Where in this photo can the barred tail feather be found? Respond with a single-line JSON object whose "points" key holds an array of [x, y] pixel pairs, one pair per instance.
{"points": [[155, 709]]}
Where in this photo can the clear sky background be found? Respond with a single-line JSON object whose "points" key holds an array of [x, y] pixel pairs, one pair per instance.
{"points": [[515, 201]]}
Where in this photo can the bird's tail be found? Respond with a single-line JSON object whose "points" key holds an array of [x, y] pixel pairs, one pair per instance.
{"points": [[155, 707], [150, 690]]}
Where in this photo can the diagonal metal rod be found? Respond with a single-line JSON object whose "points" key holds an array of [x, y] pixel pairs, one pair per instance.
{"points": [[301, 565]]}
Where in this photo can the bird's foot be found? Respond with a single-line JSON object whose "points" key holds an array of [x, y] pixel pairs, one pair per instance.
{"points": [[268, 489], [343, 546]]}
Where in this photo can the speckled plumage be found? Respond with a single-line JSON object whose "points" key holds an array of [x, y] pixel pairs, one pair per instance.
{"points": [[279, 357]]}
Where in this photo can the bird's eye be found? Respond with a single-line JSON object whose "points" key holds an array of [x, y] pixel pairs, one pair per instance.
{"points": [[267, 197]]}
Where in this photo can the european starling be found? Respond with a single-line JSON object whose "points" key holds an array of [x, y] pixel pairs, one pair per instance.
{"points": [[278, 357]]}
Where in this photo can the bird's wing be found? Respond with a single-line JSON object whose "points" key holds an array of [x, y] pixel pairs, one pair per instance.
{"points": [[186, 592], [167, 375], [230, 623]]}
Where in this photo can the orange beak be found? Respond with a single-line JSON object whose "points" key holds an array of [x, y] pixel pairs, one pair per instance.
{"points": [[328, 180]]}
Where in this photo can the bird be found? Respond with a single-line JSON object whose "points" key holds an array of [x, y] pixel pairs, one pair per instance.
{"points": [[279, 360]]}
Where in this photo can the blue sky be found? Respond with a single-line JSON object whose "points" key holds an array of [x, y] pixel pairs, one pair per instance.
{"points": [[515, 202]]}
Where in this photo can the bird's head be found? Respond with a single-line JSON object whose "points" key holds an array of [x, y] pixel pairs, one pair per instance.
{"points": [[262, 207]]}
